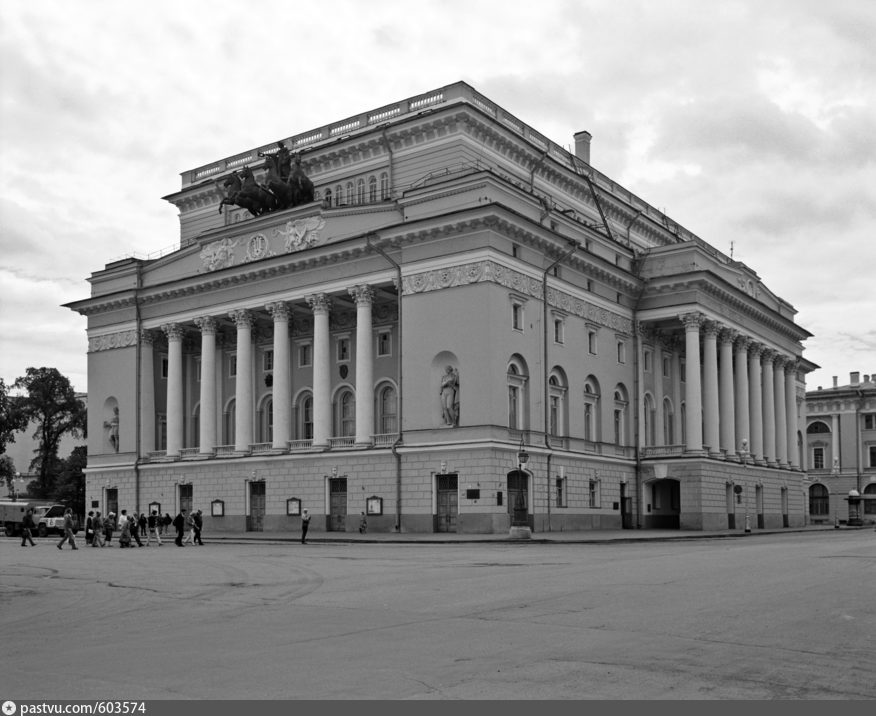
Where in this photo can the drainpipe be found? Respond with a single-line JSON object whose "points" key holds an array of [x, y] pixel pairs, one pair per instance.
{"points": [[637, 386], [398, 440], [137, 386], [547, 441]]}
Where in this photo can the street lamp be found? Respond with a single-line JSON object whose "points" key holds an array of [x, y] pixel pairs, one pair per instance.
{"points": [[743, 453]]}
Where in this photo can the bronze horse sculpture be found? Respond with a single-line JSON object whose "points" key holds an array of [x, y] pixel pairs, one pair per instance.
{"points": [[285, 187]]}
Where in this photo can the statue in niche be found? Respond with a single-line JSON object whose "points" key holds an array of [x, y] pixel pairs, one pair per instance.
{"points": [[113, 427], [449, 393]]}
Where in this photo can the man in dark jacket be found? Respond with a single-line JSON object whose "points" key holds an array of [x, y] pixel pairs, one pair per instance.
{"points": [[199, 525], [27, 525], [179, 522]]}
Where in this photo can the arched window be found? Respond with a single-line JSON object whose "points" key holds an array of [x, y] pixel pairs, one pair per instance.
{"points": [[384, 186], [387, 410], [557, 404], [668, 426], [649, 438], [621, 405], [328, 197], [339, 195], [372, 188], [304, 417], [228, 423], [350, 194], [266, 422], [345, 414], [591, 410], [516, 379], [360, 191], [819, 501]]}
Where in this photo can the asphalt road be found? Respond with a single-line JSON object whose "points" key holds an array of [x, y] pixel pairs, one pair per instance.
{"points": [[773, 617]]}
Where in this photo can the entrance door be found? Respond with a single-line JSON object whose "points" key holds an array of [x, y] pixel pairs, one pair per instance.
{"points": [[112, 501], [185, 498], [626, 505], [255, 521], [448, 502], [518, 498], [337, 504]]}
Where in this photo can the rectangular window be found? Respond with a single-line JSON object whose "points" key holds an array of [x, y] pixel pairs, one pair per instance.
{"points": [[872, 451], [384, 344], [667, 367], [870, 421], [682, 370], [305, 355], [268, 360], [561, 492], [232, 365], [558, 330], [516, 316], [343, 350], [818, 458], [198, 370], [164, 367], [621, 352], [593, 493], [515, 251], [591, 343], [590, 285], [646, 359]]}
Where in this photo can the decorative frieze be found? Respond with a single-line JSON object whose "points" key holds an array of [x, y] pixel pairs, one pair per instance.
{"points": [[122, 339], [492, 272]]}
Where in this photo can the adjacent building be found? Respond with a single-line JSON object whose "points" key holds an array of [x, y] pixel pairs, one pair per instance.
{"points": [[467, 328], [841, 451]]}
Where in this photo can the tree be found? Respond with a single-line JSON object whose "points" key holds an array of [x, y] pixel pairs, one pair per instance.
{"points": [[52, 405], [70, 485], [11, 418], [7, 472]]}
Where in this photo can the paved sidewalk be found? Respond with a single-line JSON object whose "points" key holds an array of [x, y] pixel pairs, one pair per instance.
{"points": [[583, 537]]}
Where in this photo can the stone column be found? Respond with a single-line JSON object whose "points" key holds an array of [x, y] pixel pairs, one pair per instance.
{"points": [[725, 392], [791, 413], [364, 365], [743, 425], [781, 418], [710, 388], [243, 388], [322, 399], [282, 387], [768, 398], [207, 423], [676, 392], [147, 393], [755, 402], [175, 334], [693, 424]]}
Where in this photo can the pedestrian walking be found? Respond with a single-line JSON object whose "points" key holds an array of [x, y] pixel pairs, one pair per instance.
{"points": [[199, 525], [166, 522], [305, 523], [89, 528], [27, 527], [179, 522], [135, 529], [124, 530], [190, 530], [363, 524], [68, 529], [152, 523], [97, 525], [109, 524]]}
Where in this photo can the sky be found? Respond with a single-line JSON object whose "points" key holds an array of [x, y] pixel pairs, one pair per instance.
{"points": [[750, 123]]}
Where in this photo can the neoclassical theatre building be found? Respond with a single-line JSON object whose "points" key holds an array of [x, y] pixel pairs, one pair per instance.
{"points": [[431, 314]]}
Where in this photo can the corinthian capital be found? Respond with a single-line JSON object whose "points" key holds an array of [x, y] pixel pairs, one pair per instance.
{"points": [[207, 324], [279, 311], [363, 294], [242, 318], [319, 303], [173, 331]]}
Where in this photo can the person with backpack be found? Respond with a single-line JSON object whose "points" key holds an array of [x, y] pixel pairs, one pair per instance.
{"points": [[27, 527]]}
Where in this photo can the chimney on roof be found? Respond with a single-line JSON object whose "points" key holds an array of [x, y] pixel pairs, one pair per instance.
{"points": [[855, 377], [834, 381], [866, 378], [582, 145]]}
